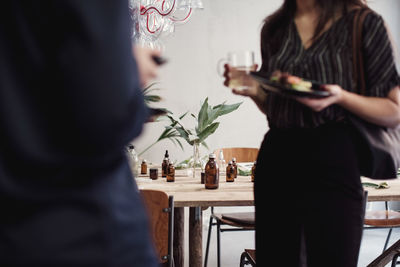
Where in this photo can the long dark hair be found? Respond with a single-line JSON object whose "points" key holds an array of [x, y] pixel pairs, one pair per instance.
{"points": [[276, 24]]}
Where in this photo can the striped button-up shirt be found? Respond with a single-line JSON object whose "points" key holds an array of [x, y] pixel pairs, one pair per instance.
{"points": [[329, 60]]}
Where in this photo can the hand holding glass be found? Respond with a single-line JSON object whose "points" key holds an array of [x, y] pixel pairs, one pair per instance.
{"points": [[240, 63]]}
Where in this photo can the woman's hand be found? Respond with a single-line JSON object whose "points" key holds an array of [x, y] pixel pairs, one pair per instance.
{"points": [[319, 104], [251, 91], [254, 90]]}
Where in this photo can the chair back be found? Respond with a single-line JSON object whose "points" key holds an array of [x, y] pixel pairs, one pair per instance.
{"points": [[242, 154], [160, 209]]}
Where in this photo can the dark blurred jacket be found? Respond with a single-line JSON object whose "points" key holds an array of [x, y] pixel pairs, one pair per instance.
{"points": [[70, 101]]}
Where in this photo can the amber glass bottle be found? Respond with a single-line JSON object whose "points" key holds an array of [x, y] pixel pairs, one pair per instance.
{"points": [[235, 167], [253, 171], [230, 172], [164, 165], [212, 173], [171, 173], [153, 173], [143, 167]]}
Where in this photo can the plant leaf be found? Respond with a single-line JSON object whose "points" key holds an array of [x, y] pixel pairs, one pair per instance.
{"points": [[225, 109], [164, 134], [183, 134], [220, 110], [184, 114], [207, 131], [152, 98], [168, 133], [179, 143], [214, 113], [149, 88], [244, 173], [202, 118]]}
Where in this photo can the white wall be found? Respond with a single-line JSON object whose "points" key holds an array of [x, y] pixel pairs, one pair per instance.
{"points": [[191, 74]]}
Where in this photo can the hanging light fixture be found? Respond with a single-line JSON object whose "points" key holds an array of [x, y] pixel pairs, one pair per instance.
{"points": [[156, 19]]}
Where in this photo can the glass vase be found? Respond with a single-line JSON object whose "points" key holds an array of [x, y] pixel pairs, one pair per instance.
{"points": [[197, 163]]}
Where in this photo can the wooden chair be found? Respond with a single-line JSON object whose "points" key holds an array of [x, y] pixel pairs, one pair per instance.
{"points": [[242, 154], [378, 219], [160, 210], [248, 257], [238, 221]]}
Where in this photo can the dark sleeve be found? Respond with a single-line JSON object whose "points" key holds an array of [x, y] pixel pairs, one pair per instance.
{"points": [[94, 73], [379, 60], [265, 51]]}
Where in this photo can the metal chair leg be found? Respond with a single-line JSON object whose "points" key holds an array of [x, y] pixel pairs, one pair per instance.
{"points": [[208, 241], [219, 244], [242, 259], [394, 261], [387, 239]]}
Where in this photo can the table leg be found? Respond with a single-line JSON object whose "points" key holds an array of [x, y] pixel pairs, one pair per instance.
{"points": [[195, 237], [386, 256], [179, 243]]}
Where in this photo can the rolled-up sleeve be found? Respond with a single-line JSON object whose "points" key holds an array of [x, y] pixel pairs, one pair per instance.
{"points": [[379, 59]]}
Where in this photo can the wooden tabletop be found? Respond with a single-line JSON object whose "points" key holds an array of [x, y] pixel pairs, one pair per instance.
{"points": [[390, 194], [189, 192]]}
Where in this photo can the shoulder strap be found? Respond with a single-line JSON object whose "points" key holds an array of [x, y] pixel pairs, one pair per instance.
{"points": [[358, 62]]}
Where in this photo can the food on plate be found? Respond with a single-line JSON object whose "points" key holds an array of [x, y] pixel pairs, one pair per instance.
{"points": [[291, 81]]}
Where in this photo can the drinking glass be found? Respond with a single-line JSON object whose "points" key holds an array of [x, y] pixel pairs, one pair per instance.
{"points": [[241, 63]]}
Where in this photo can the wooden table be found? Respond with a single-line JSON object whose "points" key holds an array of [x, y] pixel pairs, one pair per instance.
{"points": [[188, 192], [390, 194]]}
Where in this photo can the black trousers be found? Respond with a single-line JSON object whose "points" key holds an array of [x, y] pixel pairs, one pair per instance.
{"points": [[309, 198]]}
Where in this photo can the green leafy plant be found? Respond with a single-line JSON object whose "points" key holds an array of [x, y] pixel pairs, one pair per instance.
{"points": [[151, 98], [244, 172], [205, 125]]}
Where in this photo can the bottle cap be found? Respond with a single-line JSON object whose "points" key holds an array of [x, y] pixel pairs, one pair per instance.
{"points": [[233, 159], [212, 156], [166, 154], [144, 161], [131, 146], [230, 163]]}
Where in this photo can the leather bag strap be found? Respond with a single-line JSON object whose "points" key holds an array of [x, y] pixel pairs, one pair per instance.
{"points": [[358, 61]]}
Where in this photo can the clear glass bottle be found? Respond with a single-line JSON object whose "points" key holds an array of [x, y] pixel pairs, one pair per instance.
{"points": [[197, 163], [235, 167], [212, 173], [253, 171], [221, 160], [143, 167], [133, 160], [230, 172], [171, 173], [164, 165]]}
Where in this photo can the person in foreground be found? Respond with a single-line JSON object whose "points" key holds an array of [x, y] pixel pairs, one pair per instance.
{"points": [[70, 100], [311, 151]]}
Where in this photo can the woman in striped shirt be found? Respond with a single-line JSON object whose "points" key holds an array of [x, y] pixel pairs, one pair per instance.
{"points": [[310, 149]]}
